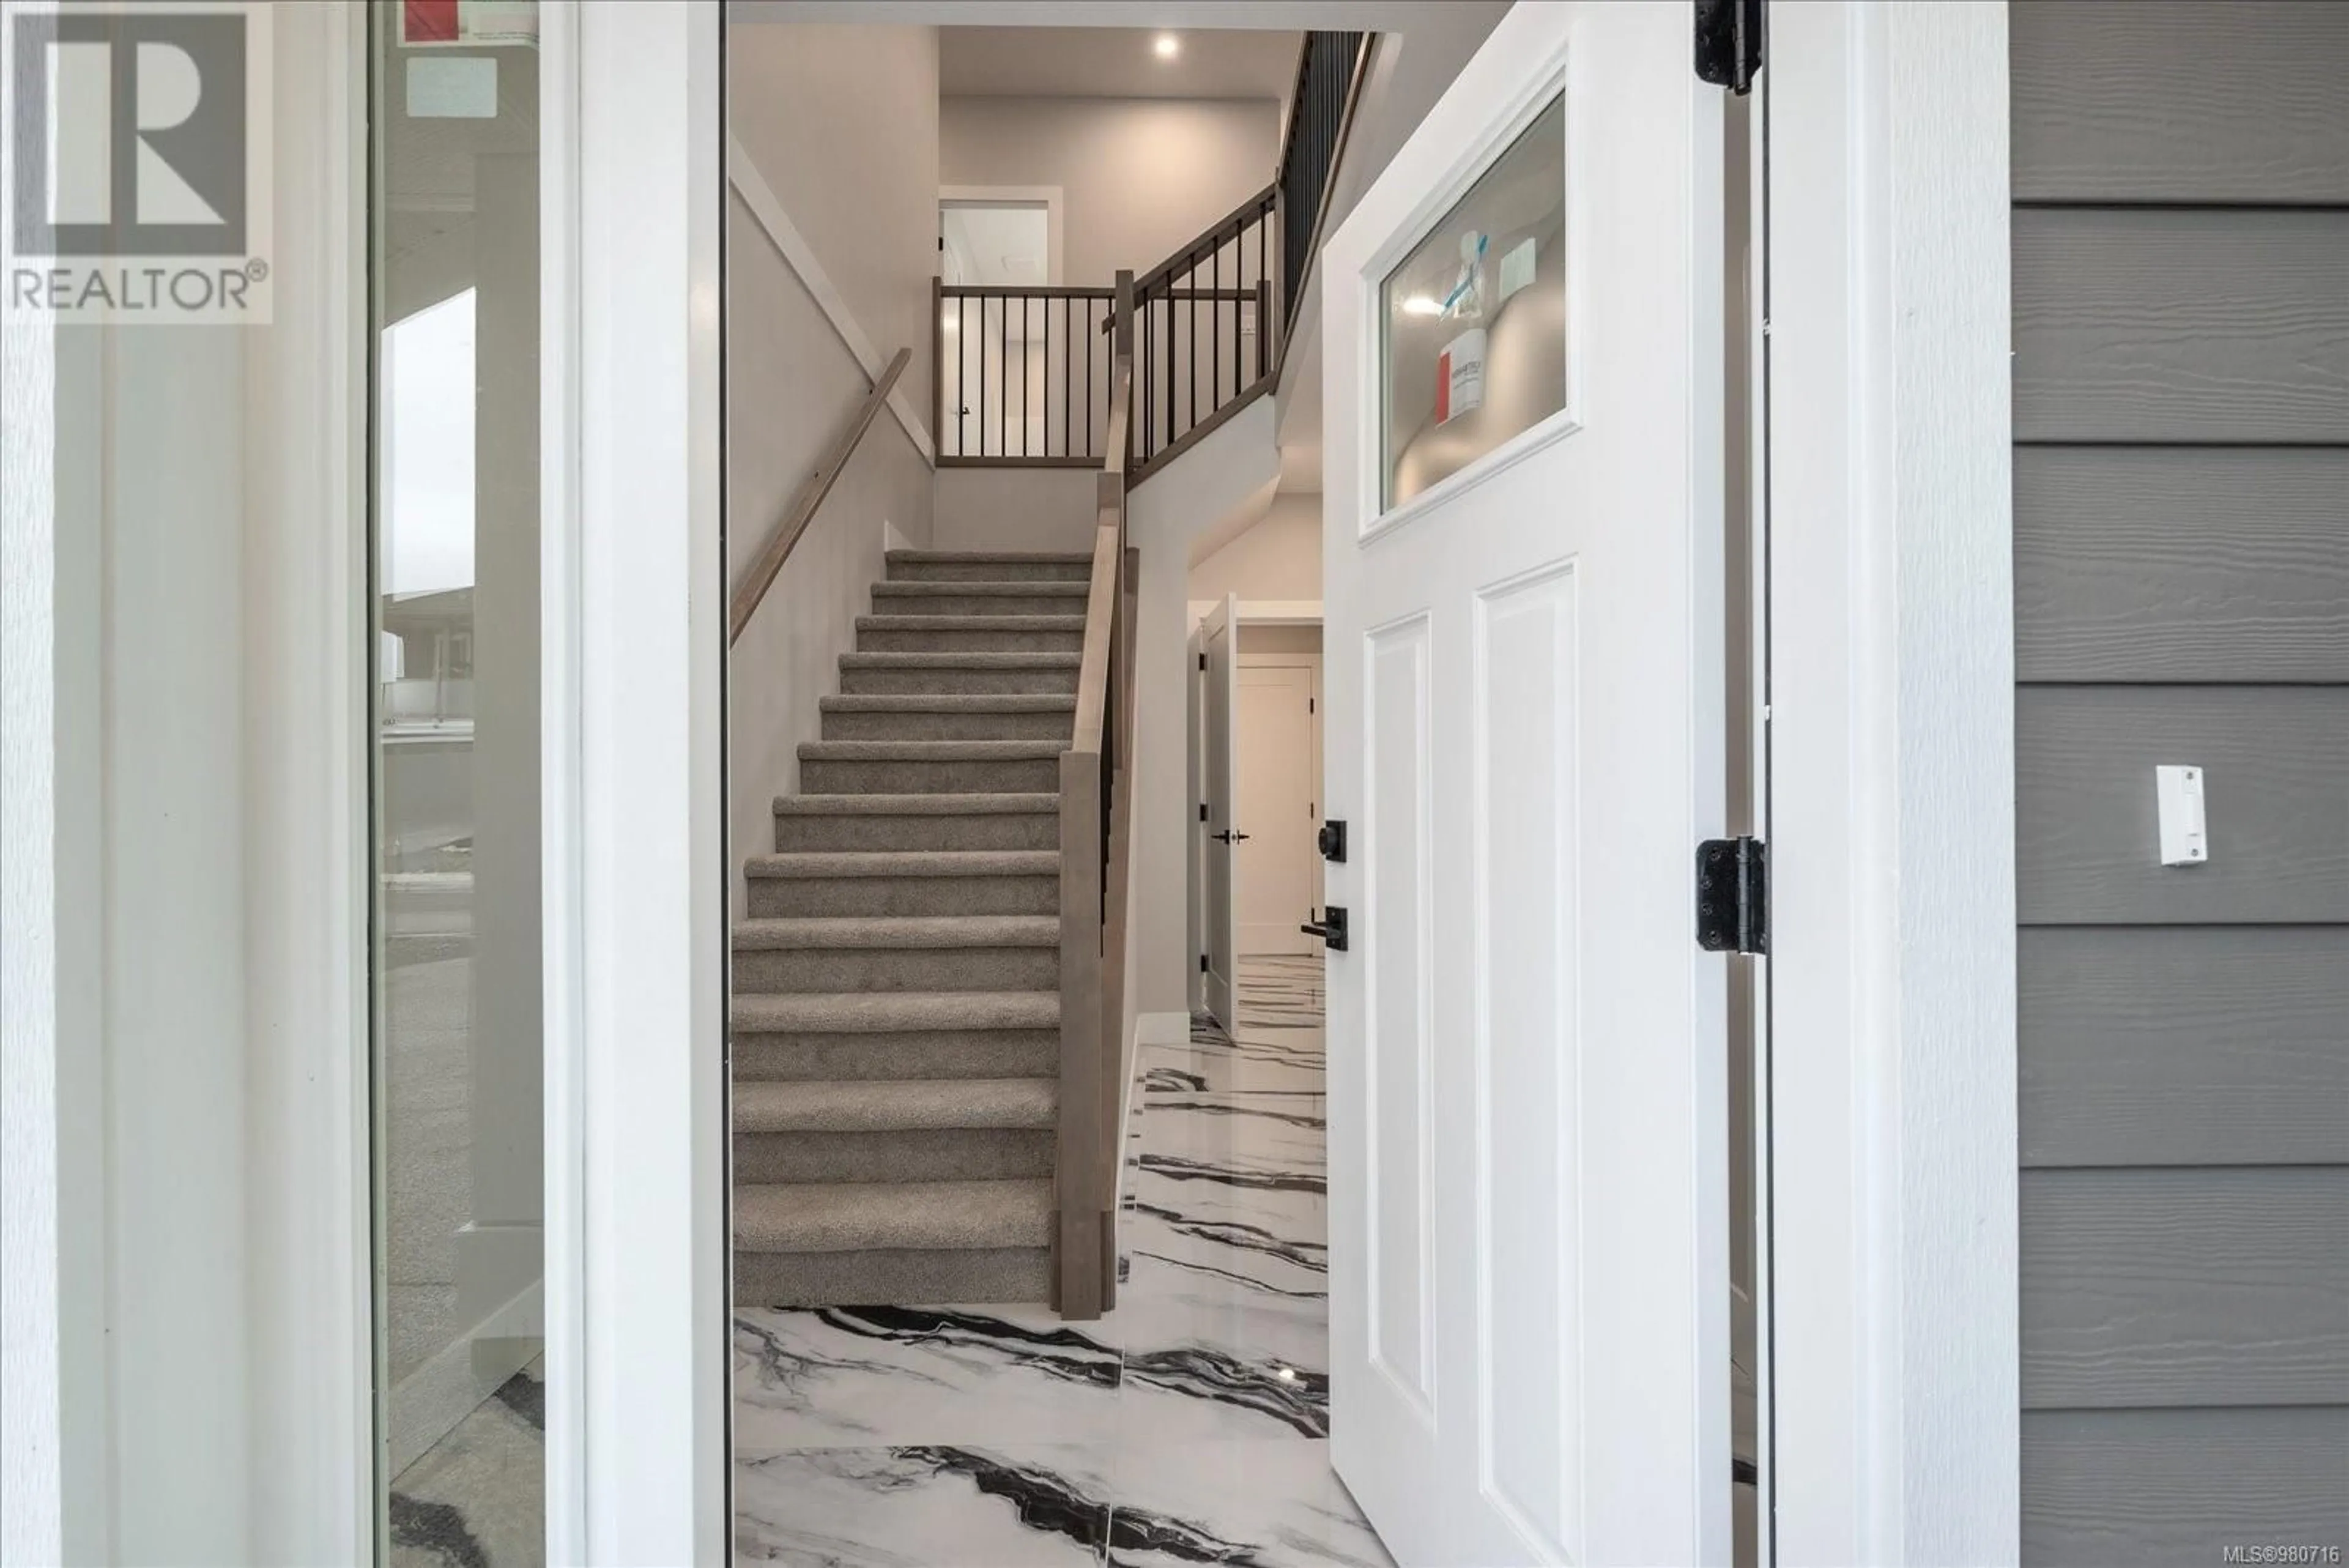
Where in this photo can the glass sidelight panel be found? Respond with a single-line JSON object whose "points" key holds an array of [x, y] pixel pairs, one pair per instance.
{"points": [[1472, 323], [454, 288]]}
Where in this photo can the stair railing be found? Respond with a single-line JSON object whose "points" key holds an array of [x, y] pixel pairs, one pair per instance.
{"points": [[1204, 326], [1022, 375], [1096, 872], [803, 509], [1330, 70]]}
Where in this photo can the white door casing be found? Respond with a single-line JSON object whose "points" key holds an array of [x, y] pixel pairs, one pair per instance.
{"points": [[1527, 1096], [1218, 637], [1276, 887], [1195, 822]]}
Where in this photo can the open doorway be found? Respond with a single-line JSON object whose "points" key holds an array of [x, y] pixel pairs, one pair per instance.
{"points": [[1256, 778], [998, 245]]}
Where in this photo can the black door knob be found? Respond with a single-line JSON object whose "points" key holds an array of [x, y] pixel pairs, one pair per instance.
{"points": [[1227, 837]]}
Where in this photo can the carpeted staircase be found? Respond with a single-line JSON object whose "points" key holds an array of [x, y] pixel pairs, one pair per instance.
{"points": [[897, 987]]}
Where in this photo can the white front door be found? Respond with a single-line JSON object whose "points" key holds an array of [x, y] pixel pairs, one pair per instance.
{"points": [[1527, 1110], [1218, 633], [1278, 889]]}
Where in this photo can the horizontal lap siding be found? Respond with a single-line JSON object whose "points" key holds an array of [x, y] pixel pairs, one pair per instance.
{"points": [[2182, 564], [2181, 407], [2184, 1046], [2181, 324]]}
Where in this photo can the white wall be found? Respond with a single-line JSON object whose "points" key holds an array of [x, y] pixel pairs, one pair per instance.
{"points": [[840, 124], [1017, 508], [1230, 473], [1138, 176], [189, 600], [1279, 558]]}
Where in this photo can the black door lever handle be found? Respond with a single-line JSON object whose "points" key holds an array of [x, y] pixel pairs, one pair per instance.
{"points": [[1227, 837], [1333, 929]]}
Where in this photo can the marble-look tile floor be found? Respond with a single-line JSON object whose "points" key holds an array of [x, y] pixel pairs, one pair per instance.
{"points": [[477, 1499], [1191, 1425]]}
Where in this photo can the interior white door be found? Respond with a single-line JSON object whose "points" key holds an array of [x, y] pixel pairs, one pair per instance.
{"points": [[1528, 1109], [1275, 888], [1219, 634]]}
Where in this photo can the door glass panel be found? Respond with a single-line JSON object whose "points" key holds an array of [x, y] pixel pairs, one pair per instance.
{"points": [[454, 291], [1471, 324]]}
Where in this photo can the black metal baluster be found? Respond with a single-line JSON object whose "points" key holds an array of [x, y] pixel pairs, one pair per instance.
{"points": [[1216, 336], [1191, 372], [1263, 270]]}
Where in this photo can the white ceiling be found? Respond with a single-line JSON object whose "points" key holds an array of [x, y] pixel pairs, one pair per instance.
{"points": [[1113, 62]]}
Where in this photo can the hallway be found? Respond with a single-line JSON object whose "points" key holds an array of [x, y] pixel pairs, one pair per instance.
{"points": [[1190, 1425]]}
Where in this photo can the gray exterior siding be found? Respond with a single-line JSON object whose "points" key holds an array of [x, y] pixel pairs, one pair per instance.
{"points": [[2181, 514]]}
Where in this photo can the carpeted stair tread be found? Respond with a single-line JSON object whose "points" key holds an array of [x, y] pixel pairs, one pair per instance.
{"points": [[895, 1119], [894, 1011], [1034, 588], [952, 703], [842, 1217], [970, 623], [832, 863], [892, 1276], [928, 750], [1013, 803], [1025, 560], [980, 659], [899, 932], [869, 1104]]}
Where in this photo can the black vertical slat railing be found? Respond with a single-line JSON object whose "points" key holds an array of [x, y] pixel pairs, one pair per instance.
{"points": [[1208, 324], [1202, 328], [1329, 74], [1022, 375]]}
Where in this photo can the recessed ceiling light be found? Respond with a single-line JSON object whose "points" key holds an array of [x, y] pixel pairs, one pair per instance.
{"points": [[1167, 46]]}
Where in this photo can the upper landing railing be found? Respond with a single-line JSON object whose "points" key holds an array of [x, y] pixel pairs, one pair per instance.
{"points": [[1023, 373]]}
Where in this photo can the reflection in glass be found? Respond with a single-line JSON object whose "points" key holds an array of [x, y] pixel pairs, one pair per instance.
{"points": [[454, 280], [1473, 321]]}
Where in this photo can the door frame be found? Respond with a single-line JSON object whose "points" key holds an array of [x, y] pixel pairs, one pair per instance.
{"points": [[1891, 1260], [104, 1440], [1253, 612], [1051, 198], [633, 705]]}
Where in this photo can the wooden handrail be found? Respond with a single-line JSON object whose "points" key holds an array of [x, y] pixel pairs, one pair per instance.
{"points": [[1208, 238], [763, 573], [1023, 291], [1101, 621], [1096, 803]]}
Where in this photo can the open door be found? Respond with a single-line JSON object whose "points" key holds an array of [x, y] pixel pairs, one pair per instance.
{"points": [[1219, 634], [1526, 1074]]}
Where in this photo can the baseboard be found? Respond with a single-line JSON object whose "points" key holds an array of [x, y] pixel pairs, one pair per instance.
{"points": [[1149, 1029], [426, 1404], [1163, 1029]]}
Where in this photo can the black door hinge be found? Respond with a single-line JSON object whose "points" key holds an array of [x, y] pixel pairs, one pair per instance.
{"points": [[1203, 661], [1203, 963], [1733, 896], [1202, 811], [1729, 42]]}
